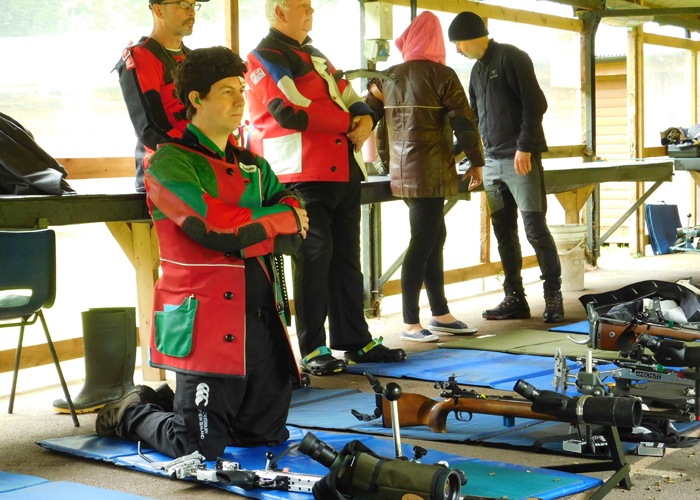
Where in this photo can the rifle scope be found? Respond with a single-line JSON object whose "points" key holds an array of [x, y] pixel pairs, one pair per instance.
{"points": [[598, 410], [371, 477]]}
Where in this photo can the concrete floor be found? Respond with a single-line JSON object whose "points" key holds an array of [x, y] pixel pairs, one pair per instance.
{"points": [[675, 476]]}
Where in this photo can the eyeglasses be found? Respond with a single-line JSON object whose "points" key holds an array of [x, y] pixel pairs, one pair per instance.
{"points": [[185, 5]]}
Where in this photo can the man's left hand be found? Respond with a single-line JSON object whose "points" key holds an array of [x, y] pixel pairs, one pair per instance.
{"points": [[522, 163], [475, 173], [361, 130]]}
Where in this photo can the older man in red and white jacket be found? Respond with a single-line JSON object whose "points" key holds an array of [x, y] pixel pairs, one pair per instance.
{"points": [[310, 125]]}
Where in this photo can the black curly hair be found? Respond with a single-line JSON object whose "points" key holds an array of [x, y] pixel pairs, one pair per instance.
{"points": [[201, 68]]}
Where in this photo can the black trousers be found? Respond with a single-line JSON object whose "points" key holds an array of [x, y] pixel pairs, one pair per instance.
{"points": [[326, 271], [423, 262], [505, 193], [211, 413]]}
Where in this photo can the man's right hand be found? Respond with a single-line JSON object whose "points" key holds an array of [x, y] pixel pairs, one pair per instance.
{"points": [[303, 219]]}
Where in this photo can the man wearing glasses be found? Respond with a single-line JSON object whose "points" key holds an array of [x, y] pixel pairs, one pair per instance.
{"points": [[146, 81]]}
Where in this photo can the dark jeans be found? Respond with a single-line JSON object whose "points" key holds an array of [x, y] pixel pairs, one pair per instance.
{"points": [[506, 191], [211, 413], [326, 271], [423, 262]]}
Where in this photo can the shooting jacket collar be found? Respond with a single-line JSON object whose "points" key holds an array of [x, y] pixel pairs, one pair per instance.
{"points": [[278, 35], [195, 139]]}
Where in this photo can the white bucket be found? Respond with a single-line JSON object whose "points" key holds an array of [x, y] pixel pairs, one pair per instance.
{"points": [[571, 243]]}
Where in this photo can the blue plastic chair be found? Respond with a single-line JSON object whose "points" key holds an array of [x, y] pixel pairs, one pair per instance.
{"points": [[28, 263]]}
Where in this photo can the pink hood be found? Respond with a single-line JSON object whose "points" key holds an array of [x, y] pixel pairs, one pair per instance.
{"points": [[423, 40]]}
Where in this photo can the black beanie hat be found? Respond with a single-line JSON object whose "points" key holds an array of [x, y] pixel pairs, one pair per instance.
{"points": [[466, 26]]}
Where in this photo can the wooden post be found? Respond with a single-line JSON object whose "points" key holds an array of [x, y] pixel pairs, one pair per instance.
{"points": [[485, 218], [143, 262], [693, 120], [635, 120], [231, 23], [590, 27]]}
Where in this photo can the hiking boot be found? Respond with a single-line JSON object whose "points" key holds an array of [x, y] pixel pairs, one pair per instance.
{"points": [[375, 352], [110, 419], [456, 327], [513, 306], [322, 362], [553, 306]]}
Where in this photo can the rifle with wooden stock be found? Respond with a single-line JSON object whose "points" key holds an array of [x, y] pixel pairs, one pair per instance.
{"points": [[416, 409], [609, 334]]}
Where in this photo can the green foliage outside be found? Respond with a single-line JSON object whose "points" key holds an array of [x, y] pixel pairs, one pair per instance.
{"points": [[23, 18]]}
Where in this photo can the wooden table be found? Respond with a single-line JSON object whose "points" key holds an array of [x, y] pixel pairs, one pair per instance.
{"points": [[126, 216]]}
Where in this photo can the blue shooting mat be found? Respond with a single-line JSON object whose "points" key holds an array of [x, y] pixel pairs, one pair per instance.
{"points": [[481, 368], [21, 487], [499, 480], [551, 485], [582, 327], [543, 436], [11, 482]]}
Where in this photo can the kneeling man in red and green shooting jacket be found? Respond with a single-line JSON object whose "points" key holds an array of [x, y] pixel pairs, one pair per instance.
{"points": [[220, 213]]}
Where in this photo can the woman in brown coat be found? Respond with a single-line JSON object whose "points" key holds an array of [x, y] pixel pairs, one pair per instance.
{"points": [[423, 108]]}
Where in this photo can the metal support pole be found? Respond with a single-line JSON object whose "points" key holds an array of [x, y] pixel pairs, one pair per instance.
{"points": [[372, 257], [414, 9], [593, 222]]}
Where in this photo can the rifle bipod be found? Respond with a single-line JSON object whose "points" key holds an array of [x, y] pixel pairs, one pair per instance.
{"points": [[617, 463]]}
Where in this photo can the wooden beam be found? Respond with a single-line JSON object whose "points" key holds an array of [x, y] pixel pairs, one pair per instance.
{"points": [[666, 11], [582, 4], [572, 151], [635, 116], [693, 119], [573, 202], [669, 41], [635, 92], [98, 168], [121, 231], [39, 355], [685, 22], [499, 13], [143, 263], [694, 86], [478, 271], [231, 25], [484, 230], [654, 152]]}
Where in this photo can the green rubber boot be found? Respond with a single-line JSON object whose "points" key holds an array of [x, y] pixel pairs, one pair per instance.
{"points": [[109, 341]]}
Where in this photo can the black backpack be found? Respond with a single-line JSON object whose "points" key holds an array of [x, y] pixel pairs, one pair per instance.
{"points": [[25, 168]]}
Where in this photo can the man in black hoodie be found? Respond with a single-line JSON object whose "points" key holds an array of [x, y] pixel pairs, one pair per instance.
{"points": [[509, 105]]}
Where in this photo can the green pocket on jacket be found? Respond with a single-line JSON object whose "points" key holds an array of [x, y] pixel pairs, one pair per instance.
{"points": [[175, 329]]}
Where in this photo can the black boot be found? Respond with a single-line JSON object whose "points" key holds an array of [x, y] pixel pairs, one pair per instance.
{"points": [[513, 306], [165, 398], [553, 306], [109, 342]]}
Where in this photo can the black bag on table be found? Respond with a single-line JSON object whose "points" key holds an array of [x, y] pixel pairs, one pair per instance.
{"points": [[25, 168]]}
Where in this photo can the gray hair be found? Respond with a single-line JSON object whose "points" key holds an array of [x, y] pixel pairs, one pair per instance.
{"points": [[270, 6]]}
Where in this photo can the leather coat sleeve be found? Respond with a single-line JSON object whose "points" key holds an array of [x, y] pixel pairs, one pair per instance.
{"points": [[270, 78], [462, 120], [174, 188]]}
